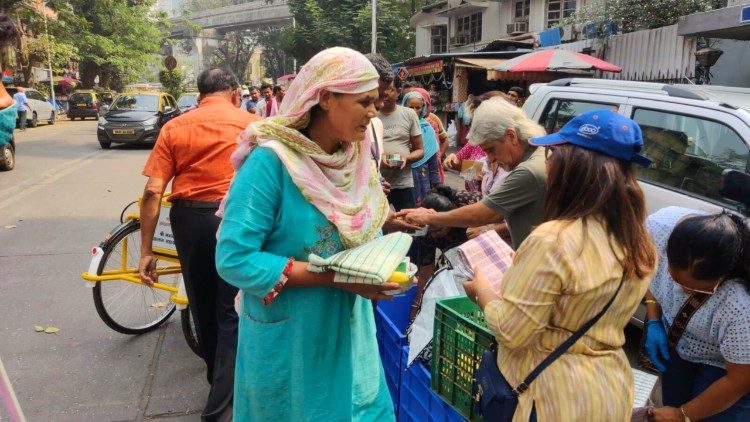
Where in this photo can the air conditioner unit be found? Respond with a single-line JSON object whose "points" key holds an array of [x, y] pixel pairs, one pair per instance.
{"points": [[459, 40], [517, 28]]}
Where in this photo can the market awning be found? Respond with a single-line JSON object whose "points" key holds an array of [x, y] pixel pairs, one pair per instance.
{"points": [[479, 63]]}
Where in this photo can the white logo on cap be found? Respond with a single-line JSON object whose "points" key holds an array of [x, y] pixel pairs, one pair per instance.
{"points": [[588, 130]]}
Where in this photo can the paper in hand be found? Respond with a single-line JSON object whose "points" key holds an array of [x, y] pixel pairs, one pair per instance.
{"points": [[489, 253]]}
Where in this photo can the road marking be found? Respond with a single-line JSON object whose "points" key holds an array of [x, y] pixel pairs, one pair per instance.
{"points": [[30, 186]]}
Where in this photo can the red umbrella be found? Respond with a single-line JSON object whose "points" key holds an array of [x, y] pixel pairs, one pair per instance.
{"points": [[553, 61]]}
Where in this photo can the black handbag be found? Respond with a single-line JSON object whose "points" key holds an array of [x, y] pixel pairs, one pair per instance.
{"points": [[496, 400]]}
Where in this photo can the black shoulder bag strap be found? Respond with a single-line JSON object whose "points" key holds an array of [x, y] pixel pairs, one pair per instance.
{"points": [[566, 344]]}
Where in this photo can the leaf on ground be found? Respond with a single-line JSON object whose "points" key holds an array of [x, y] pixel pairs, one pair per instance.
{"points": [[10, 227], [51, 330], [38, 328], [158, 305]]}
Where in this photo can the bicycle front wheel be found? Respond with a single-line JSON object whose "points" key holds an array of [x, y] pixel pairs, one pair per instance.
{"points": [[127, 307]]}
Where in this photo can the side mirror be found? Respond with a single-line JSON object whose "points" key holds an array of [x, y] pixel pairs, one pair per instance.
{"points": [[735, 185], [168, 109]]}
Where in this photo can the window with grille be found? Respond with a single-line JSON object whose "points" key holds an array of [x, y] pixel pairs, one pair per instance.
{"points": [[521, 9], [439, 39], [558, 10], [470, 27]]}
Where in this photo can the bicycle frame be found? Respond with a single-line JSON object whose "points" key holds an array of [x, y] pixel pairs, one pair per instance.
{"points": [[179, 295]]}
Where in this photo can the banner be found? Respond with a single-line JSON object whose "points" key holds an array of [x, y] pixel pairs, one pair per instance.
{"points": [[426, 68]]}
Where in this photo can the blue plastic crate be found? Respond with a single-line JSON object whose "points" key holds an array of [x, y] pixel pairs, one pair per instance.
{"points": [[391, 319], [417, 402]]}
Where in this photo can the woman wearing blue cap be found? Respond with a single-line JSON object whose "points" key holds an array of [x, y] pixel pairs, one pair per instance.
{"points": [[592, 257]]}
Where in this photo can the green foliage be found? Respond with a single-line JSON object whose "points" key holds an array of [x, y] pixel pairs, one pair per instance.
{"points": [[62, 52], [322, 24], [235, 50], [172, 81], [116, 39], [634, 15]]}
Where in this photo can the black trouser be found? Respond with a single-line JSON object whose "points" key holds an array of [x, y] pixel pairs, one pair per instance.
{"points": [[22, 120], [211, 301]]}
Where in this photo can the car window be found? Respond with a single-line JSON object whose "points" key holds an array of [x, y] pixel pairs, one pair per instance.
{"points": [[34, 95], [136, 102], [106, 98], [689, 152], [187, 100], [81, 97], [171, 102], [560, 111]]}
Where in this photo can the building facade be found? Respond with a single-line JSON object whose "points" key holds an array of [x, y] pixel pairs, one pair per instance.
{"points": [[464, 25]]}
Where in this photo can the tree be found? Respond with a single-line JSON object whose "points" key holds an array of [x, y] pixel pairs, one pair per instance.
{"points": [[117, 39], [172, 81], [322, 24], [60, 51], [235, 50], [634, 15]]}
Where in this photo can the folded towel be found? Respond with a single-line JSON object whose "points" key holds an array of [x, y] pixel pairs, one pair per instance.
{"points": [[370, 263], [490, 254]]}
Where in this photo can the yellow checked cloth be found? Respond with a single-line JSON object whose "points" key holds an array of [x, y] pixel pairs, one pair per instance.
{"points": [[371, 263]]}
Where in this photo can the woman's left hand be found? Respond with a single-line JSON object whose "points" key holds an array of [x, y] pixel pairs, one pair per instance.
{"points": [[473, 287], [665, 414]]}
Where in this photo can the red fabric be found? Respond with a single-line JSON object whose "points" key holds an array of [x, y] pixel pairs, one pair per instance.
{"points": [[539, 61]]}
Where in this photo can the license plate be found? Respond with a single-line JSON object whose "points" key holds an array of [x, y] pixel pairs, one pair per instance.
{"points": [[81, 105], [123, 131]]}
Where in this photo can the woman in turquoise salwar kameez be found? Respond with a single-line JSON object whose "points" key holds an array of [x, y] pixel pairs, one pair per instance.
{"points": [[306, 184]]}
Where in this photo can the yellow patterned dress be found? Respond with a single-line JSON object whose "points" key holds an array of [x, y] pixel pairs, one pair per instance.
{"points": [[562, 275]]}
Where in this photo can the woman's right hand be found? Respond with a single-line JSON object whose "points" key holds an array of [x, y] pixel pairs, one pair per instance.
{"points": [[369, 291], [656, 344], [451, 161]]}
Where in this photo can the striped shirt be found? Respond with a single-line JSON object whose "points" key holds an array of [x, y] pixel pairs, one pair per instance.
{"points": [[560, 279]]}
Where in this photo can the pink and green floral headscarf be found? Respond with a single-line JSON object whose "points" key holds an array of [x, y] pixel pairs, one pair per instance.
{"points": [[344, 186]]}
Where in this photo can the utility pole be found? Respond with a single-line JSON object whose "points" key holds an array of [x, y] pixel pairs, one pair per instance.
{"points": [[374, 30], [49, 58]]}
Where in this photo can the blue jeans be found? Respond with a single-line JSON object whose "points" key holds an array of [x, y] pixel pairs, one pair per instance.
{"points": [[685, 380]]}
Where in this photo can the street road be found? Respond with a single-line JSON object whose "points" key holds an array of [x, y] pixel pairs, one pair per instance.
{"points": [[64, 195]]}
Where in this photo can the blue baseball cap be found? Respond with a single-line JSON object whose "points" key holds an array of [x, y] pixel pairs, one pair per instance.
{"points": [[601, 131]]}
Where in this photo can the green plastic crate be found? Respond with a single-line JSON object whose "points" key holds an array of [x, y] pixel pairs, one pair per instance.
{"points": [[460, 338]]}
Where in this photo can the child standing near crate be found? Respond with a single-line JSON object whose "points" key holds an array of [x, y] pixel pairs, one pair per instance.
{"points": [[306, 184], [594, 240]]}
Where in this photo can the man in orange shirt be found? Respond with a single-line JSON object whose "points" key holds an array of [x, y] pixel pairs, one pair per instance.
{"points": [[193, 152]]}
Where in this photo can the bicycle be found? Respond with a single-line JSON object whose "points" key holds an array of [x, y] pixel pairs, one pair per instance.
{"points": [[122, 300]]}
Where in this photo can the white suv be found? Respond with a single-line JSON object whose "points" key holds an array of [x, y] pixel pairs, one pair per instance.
{"points": [[692, 133]]}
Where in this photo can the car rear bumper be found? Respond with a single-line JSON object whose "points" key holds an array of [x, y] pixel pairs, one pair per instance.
{"points": [[83, 112]]}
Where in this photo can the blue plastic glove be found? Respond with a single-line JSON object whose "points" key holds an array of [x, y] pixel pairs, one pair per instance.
{"points": [[656, 344]]}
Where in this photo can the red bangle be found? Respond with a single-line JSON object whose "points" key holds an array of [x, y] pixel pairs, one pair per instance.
{"points": [[280, 284]]}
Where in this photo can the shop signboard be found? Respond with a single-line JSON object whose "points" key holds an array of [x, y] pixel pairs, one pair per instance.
{"points": [[426, 68]]}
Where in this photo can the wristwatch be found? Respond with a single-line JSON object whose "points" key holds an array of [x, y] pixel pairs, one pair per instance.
{"points": [[684, 416]]}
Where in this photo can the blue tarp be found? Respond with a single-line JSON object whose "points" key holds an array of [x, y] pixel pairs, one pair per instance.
{"points": [[550, 37]]}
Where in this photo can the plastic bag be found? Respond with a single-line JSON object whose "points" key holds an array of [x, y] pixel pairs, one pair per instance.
{"points": [[452, 135]]}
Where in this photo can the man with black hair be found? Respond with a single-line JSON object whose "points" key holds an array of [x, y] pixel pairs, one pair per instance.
{"points": [[263, 108], [515, 95], [193, 151]]}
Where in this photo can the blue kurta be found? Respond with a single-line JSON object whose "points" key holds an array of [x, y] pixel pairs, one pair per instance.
{"points": [[311, 354]]}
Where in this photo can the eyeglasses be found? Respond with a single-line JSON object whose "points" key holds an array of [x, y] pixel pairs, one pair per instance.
{"points": [[548, 151], [705, 292]]}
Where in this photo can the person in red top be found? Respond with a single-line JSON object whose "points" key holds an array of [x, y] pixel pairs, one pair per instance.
{"points": [[193, 151]]}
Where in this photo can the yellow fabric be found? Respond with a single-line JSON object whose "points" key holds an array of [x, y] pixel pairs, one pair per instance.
{"points": [[559, 280]]}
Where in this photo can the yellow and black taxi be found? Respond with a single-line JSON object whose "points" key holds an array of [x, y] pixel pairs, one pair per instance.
{"points": [[136, 117]]}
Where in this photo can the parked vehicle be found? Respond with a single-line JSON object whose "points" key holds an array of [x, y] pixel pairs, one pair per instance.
{"points": [[88, 103], [692, 133], [136, 118], [187, 100], [39, 107], [8, 155]]}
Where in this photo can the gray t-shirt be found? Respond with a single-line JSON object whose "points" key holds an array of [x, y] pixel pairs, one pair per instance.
{"points": [[520, 198], [398, 128]]}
